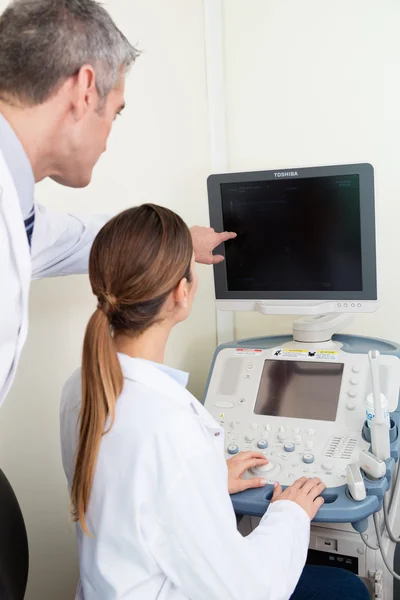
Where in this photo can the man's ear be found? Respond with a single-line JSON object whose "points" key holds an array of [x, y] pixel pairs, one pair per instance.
{"points": [[84, 92]]}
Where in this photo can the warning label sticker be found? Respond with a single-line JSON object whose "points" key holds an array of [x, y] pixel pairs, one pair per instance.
{"points": [[248, 351], [307, 354]]}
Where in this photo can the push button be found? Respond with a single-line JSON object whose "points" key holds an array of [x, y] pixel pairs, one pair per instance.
{"points": [[224, 404], [327, 466]]}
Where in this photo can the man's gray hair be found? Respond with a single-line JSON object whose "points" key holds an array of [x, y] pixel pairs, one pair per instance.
{"points": [[44, 42]]}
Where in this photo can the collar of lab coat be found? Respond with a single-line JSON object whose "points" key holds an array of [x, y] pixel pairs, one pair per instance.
{"points": [[19, 166], [11, 209], [170, 382]]}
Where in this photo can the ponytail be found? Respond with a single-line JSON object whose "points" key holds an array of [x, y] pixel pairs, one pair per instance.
{"points": [[102, 383], [131, 294]]}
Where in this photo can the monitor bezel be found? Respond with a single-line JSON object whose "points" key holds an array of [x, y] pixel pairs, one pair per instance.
{"points": [[368, 236]]}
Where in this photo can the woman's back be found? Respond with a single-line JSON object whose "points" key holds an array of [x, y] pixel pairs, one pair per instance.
{"points": [[159, 434]]}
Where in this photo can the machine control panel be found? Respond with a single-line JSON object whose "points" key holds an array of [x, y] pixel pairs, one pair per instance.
{"points": [[303, 409]]}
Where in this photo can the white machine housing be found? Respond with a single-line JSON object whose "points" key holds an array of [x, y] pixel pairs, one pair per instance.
{"points": [[257, 205], [299, 307], [296, 446]]}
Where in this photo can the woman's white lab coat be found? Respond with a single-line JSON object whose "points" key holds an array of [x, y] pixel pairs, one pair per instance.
{"points": [[161, 519], [60, 246]]}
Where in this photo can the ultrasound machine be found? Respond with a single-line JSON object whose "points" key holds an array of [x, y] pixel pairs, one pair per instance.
{"points": [[316, 403]]}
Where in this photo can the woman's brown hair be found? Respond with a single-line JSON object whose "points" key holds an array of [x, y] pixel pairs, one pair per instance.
{"points": [[137, 259]]}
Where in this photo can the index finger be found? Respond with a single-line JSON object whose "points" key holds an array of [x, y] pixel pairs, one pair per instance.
{"points": [[215, 259], [224, 236]]}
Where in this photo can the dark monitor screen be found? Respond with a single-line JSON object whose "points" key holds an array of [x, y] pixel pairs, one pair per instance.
{"points": [[299, 389], [297, 235]]}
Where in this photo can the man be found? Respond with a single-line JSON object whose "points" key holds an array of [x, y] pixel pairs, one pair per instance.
{"points": [[62, 76]]}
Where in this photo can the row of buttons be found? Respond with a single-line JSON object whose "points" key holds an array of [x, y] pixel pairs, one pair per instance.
{"points": [[281, 437], [262, 444], [281, 429], [307, 458], [354, 381], [345, 305]]}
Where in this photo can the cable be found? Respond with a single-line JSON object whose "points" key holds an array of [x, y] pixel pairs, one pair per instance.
{"points": [[365, 540], [388, 505], [380, 527], [396, 479], [384, 557], [386, 516]]}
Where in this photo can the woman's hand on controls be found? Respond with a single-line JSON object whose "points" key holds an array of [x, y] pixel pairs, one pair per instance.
{"points": [[238, 464], [304, 492]]}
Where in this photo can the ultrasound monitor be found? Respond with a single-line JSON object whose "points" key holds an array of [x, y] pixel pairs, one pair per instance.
{"points": [[305, 240]]}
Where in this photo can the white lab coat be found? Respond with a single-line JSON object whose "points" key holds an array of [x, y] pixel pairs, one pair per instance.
{"points": [[60, 246], [161, 519]]}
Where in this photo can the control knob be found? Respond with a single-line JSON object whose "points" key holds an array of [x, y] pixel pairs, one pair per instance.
{"points": [[289, 447], [262, 444], [264, 470], [308, 458]]}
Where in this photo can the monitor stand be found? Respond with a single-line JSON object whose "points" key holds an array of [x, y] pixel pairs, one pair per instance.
{"points": [[320, 328]]}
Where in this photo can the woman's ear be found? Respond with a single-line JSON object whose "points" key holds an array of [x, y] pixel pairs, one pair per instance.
{"points": [[181, 293]]}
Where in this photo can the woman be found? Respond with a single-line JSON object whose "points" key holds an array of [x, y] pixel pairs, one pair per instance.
{"points": [[149, 484]]}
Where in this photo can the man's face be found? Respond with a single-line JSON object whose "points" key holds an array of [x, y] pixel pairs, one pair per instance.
{"points": [[85, 138]]}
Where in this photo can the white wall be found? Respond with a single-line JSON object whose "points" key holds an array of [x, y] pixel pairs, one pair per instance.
{"points": [[318, 82], [158, 152]]}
